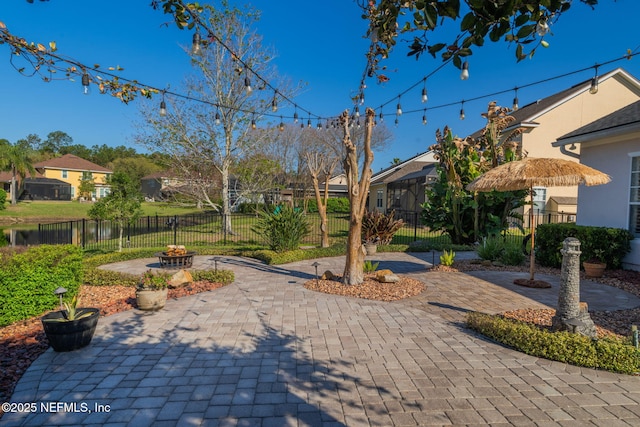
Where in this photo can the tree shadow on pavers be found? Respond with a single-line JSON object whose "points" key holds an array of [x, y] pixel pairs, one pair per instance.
{"points": [[261, 266], [155, 367], [400, 267]]}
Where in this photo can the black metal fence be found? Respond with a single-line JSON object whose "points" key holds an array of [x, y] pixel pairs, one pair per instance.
{"points": [[207, 229]]}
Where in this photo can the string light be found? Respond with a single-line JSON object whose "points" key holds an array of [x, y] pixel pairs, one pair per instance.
{"points": [[195, 44], [381, 117], [217, 117], [163, 106], [515, 100], [357, 111], [253, 123], [85, 83], [247, 85], [295, 116], [462, 116], [274, 103], [424, 117], [594, 83], [281, 126], [399, 108], [424, 93], [464, 75], [542, 27]]}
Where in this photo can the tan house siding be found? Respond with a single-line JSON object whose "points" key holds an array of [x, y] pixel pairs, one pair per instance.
{"points": [[70, 169], [570, 110]]}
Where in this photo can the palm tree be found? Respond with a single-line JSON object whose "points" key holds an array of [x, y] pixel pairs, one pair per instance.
{"points": [[16, 158]]}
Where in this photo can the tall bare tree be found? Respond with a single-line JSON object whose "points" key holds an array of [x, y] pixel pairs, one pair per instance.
{"points": [[216, 132], [358, 186]]}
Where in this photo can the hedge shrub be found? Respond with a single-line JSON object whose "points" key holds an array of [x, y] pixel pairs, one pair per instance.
{"points": [[28, 280], [614, 242], [607, 354], [334, 205]]}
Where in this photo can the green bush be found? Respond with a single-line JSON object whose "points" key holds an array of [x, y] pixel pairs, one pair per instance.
{"points": [[607, 354], [613, 242], [29, 279], [512, 254], [3, 199], [334, 205], [499, 249], [220, 276], [283, 230], [275, 258], [490, 249]]}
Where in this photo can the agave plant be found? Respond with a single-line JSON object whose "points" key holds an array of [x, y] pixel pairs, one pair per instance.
{"points": [[71, 312]]}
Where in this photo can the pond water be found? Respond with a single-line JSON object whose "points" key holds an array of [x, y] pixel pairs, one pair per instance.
{"points": [[21, 236]]}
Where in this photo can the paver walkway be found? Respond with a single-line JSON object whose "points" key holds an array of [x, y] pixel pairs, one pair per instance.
{"points": [[264, 351]]}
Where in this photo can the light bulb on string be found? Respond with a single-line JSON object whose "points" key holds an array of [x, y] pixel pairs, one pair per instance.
{"points": [[464, 75], [396, 121], [424, 95], [424, 117], [195, 44], [163, 107], [357, 111], [398, 108], [381, 117], [247, 85], [85, 83], [542, 27], [594, 83], [309, 123], [515, 100], [274, 104], [295, 117], [253, 123], [462, 116], [361, 98], [281, 126], [217, 118]]}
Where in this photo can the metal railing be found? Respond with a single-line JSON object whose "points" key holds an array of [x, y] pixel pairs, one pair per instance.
{"points": [[207, 229]]}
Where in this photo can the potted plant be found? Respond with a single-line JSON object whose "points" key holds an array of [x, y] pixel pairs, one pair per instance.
{"points": [[71, 328], [151, 290], [378, 229], [595, 266]]}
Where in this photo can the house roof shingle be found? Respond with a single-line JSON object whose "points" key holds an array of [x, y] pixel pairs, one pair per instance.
{"points": [[71, 162], [625, 116]]}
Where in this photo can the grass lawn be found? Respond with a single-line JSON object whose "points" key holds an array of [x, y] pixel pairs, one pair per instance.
{"points": [[76, 210]]}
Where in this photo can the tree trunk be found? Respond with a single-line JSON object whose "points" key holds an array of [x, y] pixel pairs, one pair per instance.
{"points": [[120, 237], [358, 191], [226, 202], [322, 210], [14, 187]]}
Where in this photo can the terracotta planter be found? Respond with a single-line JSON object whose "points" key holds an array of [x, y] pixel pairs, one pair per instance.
{"points": [[594, 269], [70, 335], [151, 299]]}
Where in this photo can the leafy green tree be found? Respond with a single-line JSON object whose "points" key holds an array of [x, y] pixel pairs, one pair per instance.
{"points": [[522, 22], [467, 216], [135, 167], [56, 141], [121, 206], [3, 200], [17, 159], [87, 186]]}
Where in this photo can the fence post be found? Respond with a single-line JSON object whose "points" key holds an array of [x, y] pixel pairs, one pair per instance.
{"points": [[175, 229], [82, 233], [415, 226]]}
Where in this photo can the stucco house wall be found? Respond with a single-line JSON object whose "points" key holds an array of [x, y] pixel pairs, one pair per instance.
{"points": [[609, 145]]}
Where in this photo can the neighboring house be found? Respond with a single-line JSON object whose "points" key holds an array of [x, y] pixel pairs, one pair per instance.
{"points": [[72, 170], [611, 145], [166, 184], [337, 186], [401, 186], [37, 187], [549, 118]]}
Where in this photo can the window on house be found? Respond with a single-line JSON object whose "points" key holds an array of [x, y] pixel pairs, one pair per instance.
{"points": [[634, 198], [379, 195], [87, 175], [539, 199], [65, 174]]}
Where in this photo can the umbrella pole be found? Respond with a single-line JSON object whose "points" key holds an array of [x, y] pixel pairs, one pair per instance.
{"points": [[532, 257]]}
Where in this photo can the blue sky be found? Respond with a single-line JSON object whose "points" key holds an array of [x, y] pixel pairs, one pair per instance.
{"points": [[320, 44]]}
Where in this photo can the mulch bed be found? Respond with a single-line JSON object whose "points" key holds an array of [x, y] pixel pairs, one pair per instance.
{"points": [[369, 289]]}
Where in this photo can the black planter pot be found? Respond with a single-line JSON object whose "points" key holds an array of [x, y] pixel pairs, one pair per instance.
{"points": [[70, 335]]}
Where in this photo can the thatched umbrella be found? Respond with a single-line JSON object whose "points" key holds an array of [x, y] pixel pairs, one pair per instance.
{"points": [[536, 172]]}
